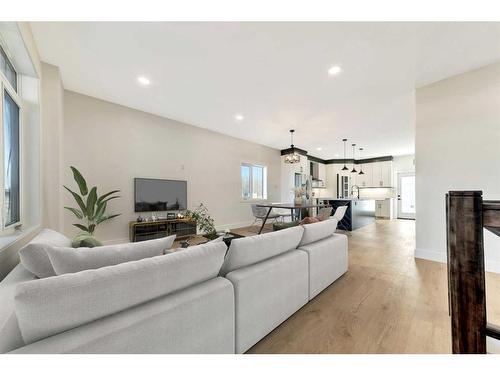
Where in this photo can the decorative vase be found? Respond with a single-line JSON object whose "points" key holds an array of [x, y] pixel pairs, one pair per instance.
{"points": [[298, 201]]}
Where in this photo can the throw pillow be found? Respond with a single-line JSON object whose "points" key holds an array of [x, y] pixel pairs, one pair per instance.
{"points": [[34, 257], [70, 260]]}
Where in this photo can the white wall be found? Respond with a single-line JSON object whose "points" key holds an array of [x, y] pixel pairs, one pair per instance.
{"points": [[112, 144], [457, 148]]}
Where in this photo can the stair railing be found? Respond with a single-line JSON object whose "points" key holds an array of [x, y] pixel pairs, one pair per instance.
{"points": [[466, 216]]}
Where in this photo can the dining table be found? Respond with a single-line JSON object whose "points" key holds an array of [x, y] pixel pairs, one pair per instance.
{"points": [[288, 206]]}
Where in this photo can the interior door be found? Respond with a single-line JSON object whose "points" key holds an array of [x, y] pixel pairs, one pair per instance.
{"points": [[406, 195]]}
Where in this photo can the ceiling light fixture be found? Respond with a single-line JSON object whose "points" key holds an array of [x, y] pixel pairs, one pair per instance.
{"points": [[293, 157], [334, 70], [239, 117], [353, 159], [143, 80], [361, 167], [345, 167], [319, 148]]}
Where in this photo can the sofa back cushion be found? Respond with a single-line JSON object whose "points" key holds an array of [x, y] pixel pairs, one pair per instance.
{"points": [[48, 306], [10, 335], [70, 260], [34, 256], [317, 231], [249, 250]]}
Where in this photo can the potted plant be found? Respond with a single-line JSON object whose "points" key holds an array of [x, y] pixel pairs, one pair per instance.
{"points": [[203, 221], [91, 210]]}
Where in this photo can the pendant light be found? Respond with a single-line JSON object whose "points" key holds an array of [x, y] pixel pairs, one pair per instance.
{"points": [[293, 157], [353, 150], [361, 167], [345, 167]]}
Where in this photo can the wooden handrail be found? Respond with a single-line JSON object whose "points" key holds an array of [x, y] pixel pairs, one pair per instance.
{"points": [[466, 215], [493, 331], [491, 216]]}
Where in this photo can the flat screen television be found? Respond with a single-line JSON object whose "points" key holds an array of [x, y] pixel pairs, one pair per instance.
{"points": [[159, 195]]}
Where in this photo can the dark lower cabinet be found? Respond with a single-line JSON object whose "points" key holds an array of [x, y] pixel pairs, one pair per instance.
{"points": [[151, 230], [360, 212]]}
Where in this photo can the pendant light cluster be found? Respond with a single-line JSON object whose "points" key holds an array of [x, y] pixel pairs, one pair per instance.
{"points": [[353, 158], [293, 157]]}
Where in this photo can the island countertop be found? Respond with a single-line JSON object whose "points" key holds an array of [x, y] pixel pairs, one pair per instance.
{"points": [[360, 211]]}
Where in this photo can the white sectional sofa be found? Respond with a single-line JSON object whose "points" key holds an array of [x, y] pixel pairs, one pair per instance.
{"points": [[204, 299]]}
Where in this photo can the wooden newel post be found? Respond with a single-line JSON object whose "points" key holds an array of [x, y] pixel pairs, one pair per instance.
{"points": [[466, 283]]}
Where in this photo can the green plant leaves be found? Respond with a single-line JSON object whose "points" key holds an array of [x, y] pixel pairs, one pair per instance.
{"points": [[77, 213], [91, 200], [104, 196], [82, 184], [82, 227], [104, 218], [92, 207], [78, 200]]}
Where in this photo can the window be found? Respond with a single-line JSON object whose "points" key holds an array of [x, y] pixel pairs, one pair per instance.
{"points": [[12, 206], [7, 69], [10, 141], [253, 181]]}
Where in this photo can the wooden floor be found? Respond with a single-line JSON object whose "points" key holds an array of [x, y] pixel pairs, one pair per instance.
{"points": [[388, 301]]}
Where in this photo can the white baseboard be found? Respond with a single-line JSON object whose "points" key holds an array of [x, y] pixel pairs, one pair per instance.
{"points": [[492, 266], [435, 256], [439, 256]]}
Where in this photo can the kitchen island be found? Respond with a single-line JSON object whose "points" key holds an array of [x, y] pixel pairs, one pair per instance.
{"points": [[360, 212]]}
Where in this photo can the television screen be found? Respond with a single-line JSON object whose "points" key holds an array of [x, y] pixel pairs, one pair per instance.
{"points": [[160, 195]]}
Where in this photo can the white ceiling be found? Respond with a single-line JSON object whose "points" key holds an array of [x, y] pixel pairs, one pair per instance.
{"points": [[275, 74]]}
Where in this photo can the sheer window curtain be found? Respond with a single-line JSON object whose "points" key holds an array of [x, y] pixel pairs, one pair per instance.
{"points": [[12, 207]]}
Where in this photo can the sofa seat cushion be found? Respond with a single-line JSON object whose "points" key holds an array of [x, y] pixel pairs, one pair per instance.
{"points": [[195, 320], [10, 335], [317, 231], [48, 306], [70, 260], [327, 262], [250, 250], [266, 294], [34, 257]]}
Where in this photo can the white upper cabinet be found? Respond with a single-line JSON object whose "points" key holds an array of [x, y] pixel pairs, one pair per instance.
{"points": [[387, 173], [382, 174], [363, 180]]}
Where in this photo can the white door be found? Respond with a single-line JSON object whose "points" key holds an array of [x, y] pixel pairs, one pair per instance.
{"points": [[406, 195]]}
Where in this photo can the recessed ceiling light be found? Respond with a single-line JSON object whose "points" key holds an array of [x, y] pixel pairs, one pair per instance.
{"points": [[337, 155], [334, 70], [143, 80], [319, 148], [239, 117]]}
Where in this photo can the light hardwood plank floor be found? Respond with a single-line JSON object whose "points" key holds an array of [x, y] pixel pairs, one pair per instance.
{"points": [[388, 301]]}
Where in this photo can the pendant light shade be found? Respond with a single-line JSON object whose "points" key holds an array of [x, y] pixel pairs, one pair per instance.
{"points": [[353, 150], [361, 167], [293, 157], [345, 167]]}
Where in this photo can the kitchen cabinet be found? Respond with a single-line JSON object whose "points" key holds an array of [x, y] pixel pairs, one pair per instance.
{"points": [[383, 208], [364, 180], [318, 173], [382, 174]]}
